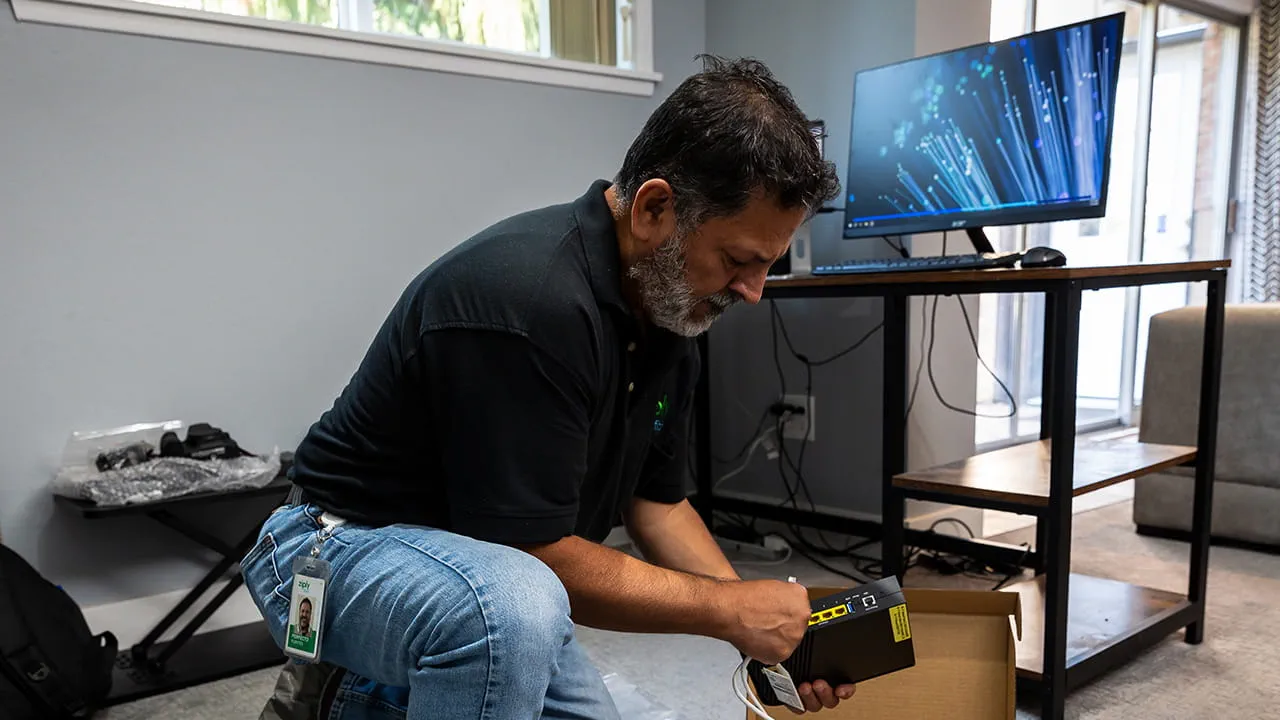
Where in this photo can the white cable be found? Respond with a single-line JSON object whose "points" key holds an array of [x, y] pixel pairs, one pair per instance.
{"points": [[744, 694], [742, 689], [746, 461]]}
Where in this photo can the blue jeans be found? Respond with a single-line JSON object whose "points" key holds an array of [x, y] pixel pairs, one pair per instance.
{"points": [[430, 623]]}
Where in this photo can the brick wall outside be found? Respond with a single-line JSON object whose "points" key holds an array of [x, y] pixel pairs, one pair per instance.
{"points": [[1208, 220]]}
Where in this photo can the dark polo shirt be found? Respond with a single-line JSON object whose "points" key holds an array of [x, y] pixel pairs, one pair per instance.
{"points": [[510, 395]]}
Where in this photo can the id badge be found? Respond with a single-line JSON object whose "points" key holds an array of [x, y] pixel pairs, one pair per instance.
{"points": [[306, 608], [784, 687]]}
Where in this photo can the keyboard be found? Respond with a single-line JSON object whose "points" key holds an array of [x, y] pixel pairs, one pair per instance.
{"points": [[973, 261]]}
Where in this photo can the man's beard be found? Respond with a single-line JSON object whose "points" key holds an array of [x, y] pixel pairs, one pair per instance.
{"points": [[667, 295]]}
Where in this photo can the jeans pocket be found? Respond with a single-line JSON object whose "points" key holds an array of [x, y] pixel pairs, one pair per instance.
{"points": [[361, 699], [265, 583]]}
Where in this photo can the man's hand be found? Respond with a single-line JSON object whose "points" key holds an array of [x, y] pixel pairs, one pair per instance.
{"points": [[774, 615], [763, 619], [771, 620], [819, 695]]}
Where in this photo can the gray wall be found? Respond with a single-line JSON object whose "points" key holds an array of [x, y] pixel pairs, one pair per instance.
{"points": [[816, 47], [213, 234]]}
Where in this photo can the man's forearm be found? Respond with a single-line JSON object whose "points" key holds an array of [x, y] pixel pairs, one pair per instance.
{"points": [[611, 590], [674, 536]]}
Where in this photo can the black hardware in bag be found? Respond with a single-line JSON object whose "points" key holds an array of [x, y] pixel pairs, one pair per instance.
{"points": [[51, 665]]}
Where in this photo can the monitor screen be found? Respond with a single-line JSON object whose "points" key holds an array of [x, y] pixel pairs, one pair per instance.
{"points": [[1011, 132]]}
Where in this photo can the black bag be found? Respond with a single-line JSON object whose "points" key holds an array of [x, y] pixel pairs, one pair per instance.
{"points": [[51, 665], [204, 442]]}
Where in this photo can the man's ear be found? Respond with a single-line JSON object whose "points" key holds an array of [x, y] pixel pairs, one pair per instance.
{"points": [[653, 214]]}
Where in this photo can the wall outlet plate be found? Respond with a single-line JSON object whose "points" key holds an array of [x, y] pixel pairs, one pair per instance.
{"points": [[799, 427]]}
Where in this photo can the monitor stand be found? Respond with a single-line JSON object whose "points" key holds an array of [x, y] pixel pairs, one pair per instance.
{"points": [[978, 237]]}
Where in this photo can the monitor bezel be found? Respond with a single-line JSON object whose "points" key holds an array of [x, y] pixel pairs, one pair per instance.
{"points": [[990, 218]]}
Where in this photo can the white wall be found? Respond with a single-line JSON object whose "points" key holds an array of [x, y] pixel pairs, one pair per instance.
{"points": [[816, 48], [935, 433], [214, 234]]}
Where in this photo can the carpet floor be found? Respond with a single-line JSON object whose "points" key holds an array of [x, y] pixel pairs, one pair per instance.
{"points": [[1231, 675]]}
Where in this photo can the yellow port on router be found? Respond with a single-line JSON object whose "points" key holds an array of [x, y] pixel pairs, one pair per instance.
{"points": [[829, 614]]}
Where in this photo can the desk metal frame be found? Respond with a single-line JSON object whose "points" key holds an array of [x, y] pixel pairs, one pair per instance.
{"points": [[149, 667], [1063, 289]]}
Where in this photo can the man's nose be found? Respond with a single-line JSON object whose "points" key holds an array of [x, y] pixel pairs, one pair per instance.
{"points": [[750, 289]]}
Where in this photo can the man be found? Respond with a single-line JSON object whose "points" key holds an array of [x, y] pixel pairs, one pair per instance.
{"points": [[531, 388], [304, 617], [302, 636]]}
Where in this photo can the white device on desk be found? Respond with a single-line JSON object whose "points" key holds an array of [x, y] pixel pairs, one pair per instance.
{"points": [[799, 258], [801, 251]]}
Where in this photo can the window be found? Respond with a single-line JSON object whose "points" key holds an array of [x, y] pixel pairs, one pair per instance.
{"points": [[1168, 200], [594, 44]]}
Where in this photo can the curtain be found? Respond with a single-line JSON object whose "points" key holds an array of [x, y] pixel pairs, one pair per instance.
{"points": [[1262, 245], [584, 30]]}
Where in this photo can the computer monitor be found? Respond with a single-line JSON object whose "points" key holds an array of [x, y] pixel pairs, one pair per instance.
{"points": [[1003, 133]]}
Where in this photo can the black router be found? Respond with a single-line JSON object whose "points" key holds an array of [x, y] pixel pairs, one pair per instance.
{"points": [[854, 635]]}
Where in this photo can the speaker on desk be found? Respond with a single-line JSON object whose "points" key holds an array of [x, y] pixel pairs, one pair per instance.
{"points": [[798, 259], [801, 253]]}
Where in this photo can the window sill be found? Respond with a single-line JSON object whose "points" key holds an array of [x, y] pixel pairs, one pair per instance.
{"points": [[135, 18]]}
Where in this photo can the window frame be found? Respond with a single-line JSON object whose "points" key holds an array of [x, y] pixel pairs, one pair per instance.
{"points": [[138, 18], [1018, 339]]}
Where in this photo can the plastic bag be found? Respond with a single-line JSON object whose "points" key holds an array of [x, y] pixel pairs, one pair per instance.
{"points": [[632, 704], [121, 466]]}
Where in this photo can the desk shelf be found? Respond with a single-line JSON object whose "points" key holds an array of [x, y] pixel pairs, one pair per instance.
{"points": [[1019, 475], [1108, 622]]}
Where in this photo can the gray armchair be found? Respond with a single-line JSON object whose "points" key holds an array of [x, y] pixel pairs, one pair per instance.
{"points": [[1246, 493]]}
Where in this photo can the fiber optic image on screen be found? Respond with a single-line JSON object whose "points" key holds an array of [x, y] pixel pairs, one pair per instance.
{"points": [[1009, 132]]}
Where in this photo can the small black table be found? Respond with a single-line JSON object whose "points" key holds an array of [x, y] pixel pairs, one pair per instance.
{"points": [[151, 667]]}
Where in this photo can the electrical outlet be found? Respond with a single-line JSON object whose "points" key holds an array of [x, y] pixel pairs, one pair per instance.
{"points": [[799, 427]]}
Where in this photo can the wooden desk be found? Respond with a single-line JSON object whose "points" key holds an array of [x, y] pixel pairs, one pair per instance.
{"points": [[1064, 642]]}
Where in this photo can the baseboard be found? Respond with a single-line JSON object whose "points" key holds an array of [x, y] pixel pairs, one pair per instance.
{"points": [[772, 500], [131, 620], [919, 514]]}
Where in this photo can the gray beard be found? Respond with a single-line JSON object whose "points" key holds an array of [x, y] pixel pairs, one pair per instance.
{"points": [[667, 295]]}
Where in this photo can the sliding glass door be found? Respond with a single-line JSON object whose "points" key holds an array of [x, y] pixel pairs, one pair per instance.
{"points": [[1167, 201], [1189, 169]]}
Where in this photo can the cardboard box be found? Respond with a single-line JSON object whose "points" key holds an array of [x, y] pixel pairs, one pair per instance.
{"points": [[965, 662]]}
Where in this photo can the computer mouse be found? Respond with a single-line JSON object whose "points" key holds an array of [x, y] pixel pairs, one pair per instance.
{"points": [[1043, 257]]}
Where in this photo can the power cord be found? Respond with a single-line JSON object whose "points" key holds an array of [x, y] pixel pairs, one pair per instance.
{"points": [[742, 689], [901, 247], [761, 439], [798, 542], [924, 336], [948, 564], [937, 392], [760, 426], [973, 340], [741, 681], [796, 466]]}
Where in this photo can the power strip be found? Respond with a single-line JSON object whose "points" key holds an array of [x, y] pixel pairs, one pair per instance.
{"points": [[773, 548]]}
